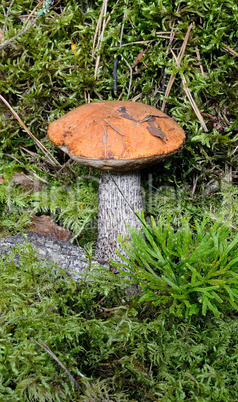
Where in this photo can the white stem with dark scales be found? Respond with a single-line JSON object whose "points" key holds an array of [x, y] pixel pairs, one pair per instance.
{"points": [[114, 212]]}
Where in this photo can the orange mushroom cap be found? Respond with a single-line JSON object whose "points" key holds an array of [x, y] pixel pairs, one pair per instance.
{"points": [[116, 135]]}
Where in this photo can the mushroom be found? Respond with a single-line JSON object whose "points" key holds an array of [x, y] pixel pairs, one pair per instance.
{"points": [[118, 138]]}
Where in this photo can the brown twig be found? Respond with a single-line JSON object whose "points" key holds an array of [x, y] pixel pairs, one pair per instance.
{"points": [[114, 128], [104, 140]]}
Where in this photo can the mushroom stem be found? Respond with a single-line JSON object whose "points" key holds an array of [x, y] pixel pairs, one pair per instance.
{"points": [[116, 210]]}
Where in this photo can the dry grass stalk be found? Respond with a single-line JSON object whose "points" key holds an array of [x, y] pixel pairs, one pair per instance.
{"points": [[28, 170], [98, 30], [6, 18], [136, 98], [189, 96], [233, 152], [123, 24], [33, 11], [181, 53], [139, 42], [163, 32], [162, 35], [48, 155], [101, 25], [49, 351], [99, 33], [229, 49], [199, 58], [130, 68], [9, 41]]}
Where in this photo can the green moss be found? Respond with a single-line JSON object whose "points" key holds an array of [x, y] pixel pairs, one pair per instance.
{"points": [[135, 352]]}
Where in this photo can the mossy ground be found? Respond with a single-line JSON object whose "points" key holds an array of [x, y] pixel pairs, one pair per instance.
{"points": [[135, 352]]}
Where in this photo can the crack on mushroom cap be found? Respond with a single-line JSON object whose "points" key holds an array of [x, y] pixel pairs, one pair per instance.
{"points": [[152, 128]]}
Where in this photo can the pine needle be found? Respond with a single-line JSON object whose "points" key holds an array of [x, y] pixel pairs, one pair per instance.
{"points": [[48, 155], [172, 77], [47, 349], [189, 96]]}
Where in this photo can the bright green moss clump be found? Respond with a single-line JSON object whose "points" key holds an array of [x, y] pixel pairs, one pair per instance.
{"points": [[116, 348], [113, 347]]}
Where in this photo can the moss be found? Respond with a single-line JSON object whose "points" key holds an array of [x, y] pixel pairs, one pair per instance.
{"points": [[132, 352]]}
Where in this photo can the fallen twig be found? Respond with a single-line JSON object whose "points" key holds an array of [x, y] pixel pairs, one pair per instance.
{"points": [[118, 131]]}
